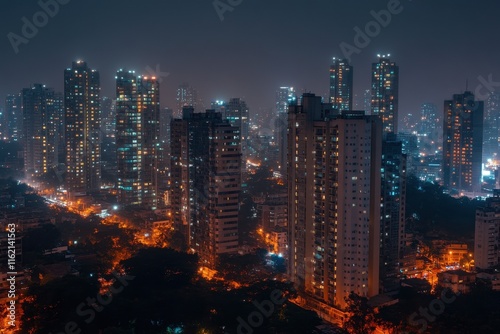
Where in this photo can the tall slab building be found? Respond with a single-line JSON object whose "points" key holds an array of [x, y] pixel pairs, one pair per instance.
{"points": [[137, 138], [462, 143], [487, 233], [41, 129], [341, 84], [13, 118], [284, 97], [334, 186], [206, 183], [82, 122], [385, 93], [236, 112], [392, 212]]}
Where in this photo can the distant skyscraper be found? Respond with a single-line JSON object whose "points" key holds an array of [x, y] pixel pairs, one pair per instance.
{"points": [[58, 130], [341, 82], [39, 142], [487, 233], [206, 182], [149, 104], [82, 122], [137, 138], [429, 129], [166, 115], [367, 101], [238, 115], [13, 117], [409, 123], [462, 143], [187, 96], [385, 93], [3, 123], [284, 97], [108, 116], [219, 106], [492, 127], [108, 140], [334, 164], [392, 212], [427, 124]]}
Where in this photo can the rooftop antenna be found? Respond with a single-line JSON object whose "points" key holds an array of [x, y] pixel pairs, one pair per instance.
{"points": [[466, 84]]}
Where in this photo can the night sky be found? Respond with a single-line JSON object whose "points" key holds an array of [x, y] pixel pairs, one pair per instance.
{"points": [[259, 46]]}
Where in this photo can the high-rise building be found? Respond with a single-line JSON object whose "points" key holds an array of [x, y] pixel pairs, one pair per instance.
{"points": [[429, 129], [392, 212], [491, 140], [428, 122], [385, 92], [82, 122], [3, 123], [334, 164], [187, 96], [13, 117], [341, 84], [58, 130], [284, 97], [149, 104], [462, 143], [137, 138], [41, 121], [166, 115], [108, 140], [206, 183], [367, 101], [108, 125], [237, 114], [487, 233]]}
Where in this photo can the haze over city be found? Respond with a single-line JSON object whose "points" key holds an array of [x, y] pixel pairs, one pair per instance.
{"points": [[237, 166], [258, 46]]}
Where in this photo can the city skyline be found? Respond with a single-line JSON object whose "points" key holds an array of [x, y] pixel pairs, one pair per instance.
{"points": [[247, 166], [415, 88]]}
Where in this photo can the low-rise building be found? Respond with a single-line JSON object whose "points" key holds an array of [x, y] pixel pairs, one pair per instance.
{"points": [[279, 241], [457, 280], [487, 233], [491, 279]]}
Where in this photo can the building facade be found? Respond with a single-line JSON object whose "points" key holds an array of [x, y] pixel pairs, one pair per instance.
{"points": [[334, 164], [206, 183], [236, 112], [462, 143], [341, 84], [385, 93], [82, 123], [392, 212], [41, 126], [284, 97], [487, 234], [491, 138], [13, 118], [186, 96], [137, 138]]}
